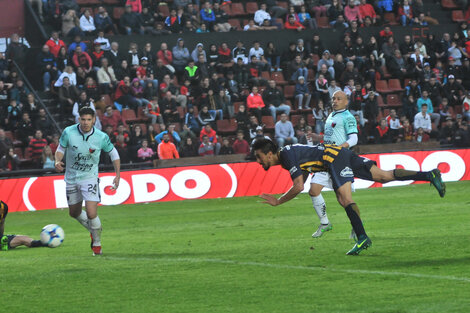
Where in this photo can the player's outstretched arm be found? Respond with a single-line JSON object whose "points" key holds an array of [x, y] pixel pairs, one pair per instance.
{"points": [[296, 188]]}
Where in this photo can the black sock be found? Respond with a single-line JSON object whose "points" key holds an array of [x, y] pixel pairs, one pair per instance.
{"points": [[401, 174], [37, 243], [355, 220]]}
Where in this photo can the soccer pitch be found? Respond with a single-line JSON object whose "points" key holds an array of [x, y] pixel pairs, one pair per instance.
{"points": [[239, 255]]}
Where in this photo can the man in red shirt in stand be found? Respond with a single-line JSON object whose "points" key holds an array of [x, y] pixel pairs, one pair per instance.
{"points": [[365, 9], [166, 149], [292, 23], [55, 44], [256, 105], [209, 132], [241, 146]]}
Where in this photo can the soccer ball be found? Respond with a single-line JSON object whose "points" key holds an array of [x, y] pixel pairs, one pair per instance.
{"points": [[52, 235]]}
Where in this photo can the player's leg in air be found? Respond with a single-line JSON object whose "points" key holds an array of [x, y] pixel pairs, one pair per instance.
{"points": [[318, 181], [434, 177]]}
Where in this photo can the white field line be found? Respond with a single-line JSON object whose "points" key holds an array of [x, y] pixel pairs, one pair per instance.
{"points": [[290, 267]]}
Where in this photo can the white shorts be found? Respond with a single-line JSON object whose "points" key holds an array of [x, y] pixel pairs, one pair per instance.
{"points": [[324, 179], [88, 190]]}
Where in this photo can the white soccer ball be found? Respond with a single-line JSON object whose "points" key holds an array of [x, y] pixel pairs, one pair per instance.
{"points": [[52, 235]]}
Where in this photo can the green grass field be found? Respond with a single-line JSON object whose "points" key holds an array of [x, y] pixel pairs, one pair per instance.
{"points": [[238, 255]]}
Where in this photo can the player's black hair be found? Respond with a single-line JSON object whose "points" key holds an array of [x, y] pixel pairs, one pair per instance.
{"points": [[265, 145], [86, 110]]}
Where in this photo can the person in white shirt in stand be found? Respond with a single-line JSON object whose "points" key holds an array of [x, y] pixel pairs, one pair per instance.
{"points": [[104, 42], [394, 124], [262, 15], [423, 119], [87, 24]]}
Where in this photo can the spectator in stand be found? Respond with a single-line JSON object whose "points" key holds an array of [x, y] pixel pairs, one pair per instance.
{"points": [[114, 56], [320, 114], [25, 129], [181, 56], [212, 137], [255, 104], [168, 108], [186, 132], [274, 99], [136, 5], [87, 24], [406, 133], [221, 19], [241, 73], [82, 59], [166, 56], [447, 132], [153, 111], [36, 145], [423, 119], [208, 16], [435, 117], [371, 107], [382, 133], [321, 91], [306, 19], [301, 91], [121, 147], [405, 12], [367, 10], [293, 24], [453, 91], [103, 21], [106, 78], [207, 147], [385, 6], [47, 158], [130, 22], [111, 117], [66, 73], [145, 153], [226, 149], [461, 137], [44, 123], [77, 41], [54, 44], [13, 115], [297, 67], [273, 57], [71, 24], [328, 61], [46, 63], [466, 106], [123, 94], [19, 92], [173, 23], [172, 135], [189, 148], [96, 56], [240, 145], [10, 161], [5, 143], [68, 94], [352, 12], [421, 135], [284, 131]]}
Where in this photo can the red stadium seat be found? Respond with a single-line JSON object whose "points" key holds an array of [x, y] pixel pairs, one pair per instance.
{"points": [[323, 22], [457, 16], [141, 115], [268, 122], [311, 120], [393, 100], [282, 4], [235, 23], [394, 85], [390, 18], [227, 9], [278, 77], [163, 9], [289, 91], [265, 75], [380, 101], [237, 9], [128, 115], [449, 4], [117, 12], [251, 7], [382, 86], [226, 127]]}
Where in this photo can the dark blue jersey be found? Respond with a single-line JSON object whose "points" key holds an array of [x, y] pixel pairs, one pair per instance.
{"points": [[301, 158]]}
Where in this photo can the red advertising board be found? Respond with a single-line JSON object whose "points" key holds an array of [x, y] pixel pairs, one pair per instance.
{"points": [[212, 181]]}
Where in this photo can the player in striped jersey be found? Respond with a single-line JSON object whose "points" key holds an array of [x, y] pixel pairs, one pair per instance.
{"points": [[342, 165]]}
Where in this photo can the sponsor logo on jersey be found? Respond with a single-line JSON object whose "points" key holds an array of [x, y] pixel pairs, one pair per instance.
{"points": [[91, 150], [293, 170], [347, 172], [333, 124]]}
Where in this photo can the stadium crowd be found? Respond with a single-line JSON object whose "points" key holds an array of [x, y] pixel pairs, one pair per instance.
{"points": [[176, 101]]}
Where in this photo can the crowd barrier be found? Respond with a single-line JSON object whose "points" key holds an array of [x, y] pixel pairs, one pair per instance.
{"points": [[213, 181]]}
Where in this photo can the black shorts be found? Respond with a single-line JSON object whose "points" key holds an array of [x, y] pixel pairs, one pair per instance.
{"points": [[10, 238], [346, 166]]}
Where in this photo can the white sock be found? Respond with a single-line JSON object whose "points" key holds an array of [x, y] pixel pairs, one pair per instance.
{"points": [[95, 230], [83, 219], [320, 207]]}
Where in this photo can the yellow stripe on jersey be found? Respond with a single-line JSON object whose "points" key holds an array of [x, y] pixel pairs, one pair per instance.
{"points": [[332, 151], [313, 166], [328, 158]]}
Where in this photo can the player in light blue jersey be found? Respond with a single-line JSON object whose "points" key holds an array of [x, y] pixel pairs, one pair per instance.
{"points": [[340, 130], [82, 144]]}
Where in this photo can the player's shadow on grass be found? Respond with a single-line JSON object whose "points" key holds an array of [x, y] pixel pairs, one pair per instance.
{"points": [[427, 262], [158, 255]]}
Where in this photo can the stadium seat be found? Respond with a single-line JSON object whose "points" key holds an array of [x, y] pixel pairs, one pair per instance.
{"points": [[112, 2], [449, 4], [311, 120], [156, 128], [289, 91], [282, 4], [235, 23], [390, 18], [107, 100], [295, 119], [144, 128], [394, 85], [226, 9], [457, 16], [380, 102], [236, 105], [236, 8], [278, 77], [268, 122], [311, 75], [387, 75], [406, 82], [323, 22], [117, 12], [266, 75], [227, 127], [393, 100], [251, 7], [163, 9], [382, 86], [128, 116], [18, 152]]}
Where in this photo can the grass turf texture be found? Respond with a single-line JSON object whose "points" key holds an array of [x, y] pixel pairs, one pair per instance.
{"points": [[238, 255]]}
